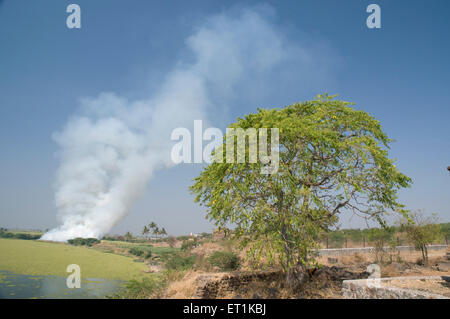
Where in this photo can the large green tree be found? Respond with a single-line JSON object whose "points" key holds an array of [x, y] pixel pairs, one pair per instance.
{"points": [[332, 158]]}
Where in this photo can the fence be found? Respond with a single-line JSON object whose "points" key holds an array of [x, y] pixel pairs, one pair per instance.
{"points": [[362, 250]]}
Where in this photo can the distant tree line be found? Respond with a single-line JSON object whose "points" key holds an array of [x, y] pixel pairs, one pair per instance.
{"points": [[4, 233]]}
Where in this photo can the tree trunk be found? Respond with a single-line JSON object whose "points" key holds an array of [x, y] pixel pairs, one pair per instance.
{"points": [[424, 253], [295, 276]]}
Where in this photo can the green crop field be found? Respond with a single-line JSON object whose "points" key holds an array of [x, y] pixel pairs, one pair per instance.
{"points": [[31, 257], [161, 251]]}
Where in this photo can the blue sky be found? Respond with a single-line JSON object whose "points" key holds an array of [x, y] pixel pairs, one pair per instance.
{"points": [[400, 74]]}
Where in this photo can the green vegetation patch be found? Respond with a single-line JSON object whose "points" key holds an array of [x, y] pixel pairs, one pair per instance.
{"points": [[139, 289], [224, 260], [145, 252], [83, 241], [140, 249], [49, 258], [179, 262]]}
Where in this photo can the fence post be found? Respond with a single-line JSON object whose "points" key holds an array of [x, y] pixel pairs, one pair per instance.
{"points": [[364, 241], [346, 244], [327, 241]]}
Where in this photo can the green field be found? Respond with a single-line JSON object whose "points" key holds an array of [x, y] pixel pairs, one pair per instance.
{"points": [[31, 257], [156, 250]]}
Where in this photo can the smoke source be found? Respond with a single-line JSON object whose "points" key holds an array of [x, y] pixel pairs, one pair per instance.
{"points": [[110, 150]]}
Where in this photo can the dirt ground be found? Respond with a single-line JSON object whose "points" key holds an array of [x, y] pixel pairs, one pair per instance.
{"points": [[324, 282], [438, 286], [392, 264]]}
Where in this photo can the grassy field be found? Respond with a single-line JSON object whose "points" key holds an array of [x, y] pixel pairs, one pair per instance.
{"points": [[31, 257], [163, 252], [155, 249]]}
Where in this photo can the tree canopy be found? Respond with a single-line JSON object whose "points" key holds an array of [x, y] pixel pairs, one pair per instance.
{"points": [[422, 231], [332, 158]]}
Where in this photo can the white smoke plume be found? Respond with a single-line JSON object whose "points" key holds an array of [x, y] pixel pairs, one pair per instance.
{"points": [[110, 150]]}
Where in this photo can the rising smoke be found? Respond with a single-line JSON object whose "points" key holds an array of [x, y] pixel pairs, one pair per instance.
{"points": [[111, 149]]}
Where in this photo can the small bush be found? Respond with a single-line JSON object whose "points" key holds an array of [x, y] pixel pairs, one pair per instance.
{"points": [[171, 241], [178, 262], [206, 235], [27, 236], [148, 254], [224, 260], [136, 251], [141, 251], [83, 241], [145, 288], [171, 275], [189, 244], [7, 235]]}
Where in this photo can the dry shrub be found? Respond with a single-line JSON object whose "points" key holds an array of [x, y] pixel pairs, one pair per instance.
{"points": [[313, 288], [201, 262], [358, 258], [224, 260], [354, 259], [183, 288], [207, 249], [419, 261]]}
